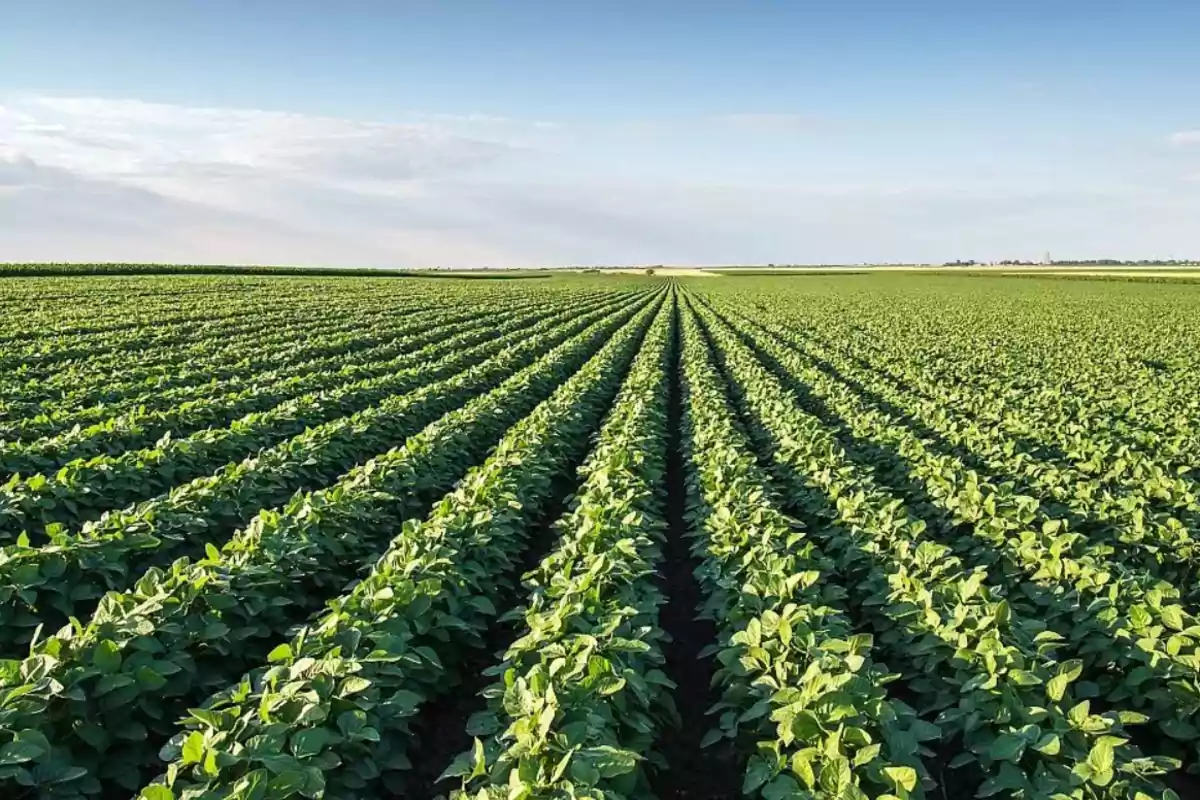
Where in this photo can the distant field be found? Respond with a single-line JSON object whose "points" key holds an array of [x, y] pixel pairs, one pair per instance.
{"points": [[666, 272], [1192, 272], [911, 535], [930, 268]]}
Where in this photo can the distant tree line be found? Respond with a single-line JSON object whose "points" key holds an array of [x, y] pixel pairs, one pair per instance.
{"points": [[50, 269], [1144, 262], [27, 270], [1083, 262]]}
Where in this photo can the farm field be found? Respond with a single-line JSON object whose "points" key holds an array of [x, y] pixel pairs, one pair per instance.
{"points": [[599, 536]]}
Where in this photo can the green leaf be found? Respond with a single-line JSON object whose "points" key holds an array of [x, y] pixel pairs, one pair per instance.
{"points": [[611, 761], [758, 772], [902, 777], [286, 784], [351, 722], [802, 765], [1010, 778], [110, 683], [924, 731], [1100, 759], [1008, 747], [193, 748], [1049, 744], [783, 787], [148, 679], [19, 752], [1068, 671], [1079, 713], [107, 657], [353, 685], [406, 700], [835, 775], [308, 743], [210, 764], [865, 755], [1172, 617], [281, 653]]}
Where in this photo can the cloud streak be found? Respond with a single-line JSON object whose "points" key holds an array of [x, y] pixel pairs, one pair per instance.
{"points": [[108, 179], [129, 140]]}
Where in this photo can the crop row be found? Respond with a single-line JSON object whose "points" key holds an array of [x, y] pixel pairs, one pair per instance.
{"points": [[46, 584], [989, 674], [142, 426], [580, 695], [82, 490], [1132, 630], [100, 698], [325, 346], [425, 552], [398, 638], [332, 332]]}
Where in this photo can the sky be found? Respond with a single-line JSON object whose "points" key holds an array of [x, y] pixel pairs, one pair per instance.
{"points": [[523, 133]]}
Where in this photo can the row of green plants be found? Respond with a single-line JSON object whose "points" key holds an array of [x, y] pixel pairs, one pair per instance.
{"points": [[47, 584], [76, 386], [103, 697], [337, 326], [82, 366], [33, 351], [141, 427], [802, 692], [82, 490], [1114, 402], [381, 342], [987, 674], [330, 713], [98, 307], [134, 376], [580, 696], [1131, 501], [92, 313], [1136, 640], [39, 355]]}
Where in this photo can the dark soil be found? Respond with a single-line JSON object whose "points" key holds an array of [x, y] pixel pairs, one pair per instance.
{"points": [[439, 729], [712, 773]]}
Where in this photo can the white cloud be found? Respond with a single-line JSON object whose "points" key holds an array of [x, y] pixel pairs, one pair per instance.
{"points": [[252, 178], [102, 179], [1186, 137], [132, 140]]}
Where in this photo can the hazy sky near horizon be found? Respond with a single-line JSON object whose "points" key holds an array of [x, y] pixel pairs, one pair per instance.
{"points": [[515, 133]]}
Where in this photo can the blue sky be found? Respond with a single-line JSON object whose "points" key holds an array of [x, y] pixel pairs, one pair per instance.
{"points": [[466, 133]]}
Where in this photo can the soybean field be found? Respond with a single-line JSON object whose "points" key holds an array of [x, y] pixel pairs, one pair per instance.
{"points": [[897, 537]]}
